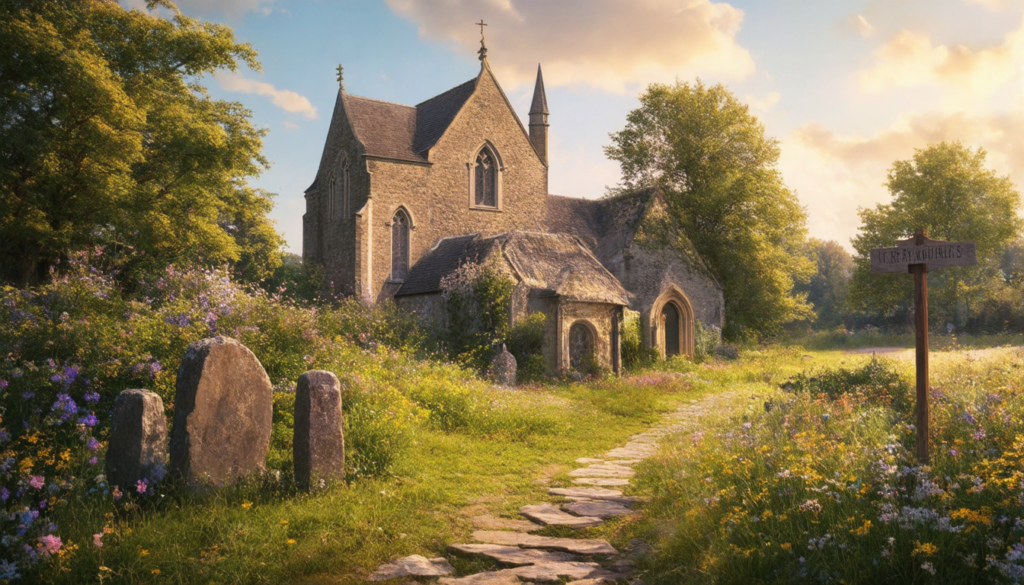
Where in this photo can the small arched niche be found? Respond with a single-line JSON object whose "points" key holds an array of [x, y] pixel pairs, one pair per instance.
{"points": [[582, 345]]}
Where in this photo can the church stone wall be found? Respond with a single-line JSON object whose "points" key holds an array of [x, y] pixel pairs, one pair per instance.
{"points": [[333, 243], [437, 197]]}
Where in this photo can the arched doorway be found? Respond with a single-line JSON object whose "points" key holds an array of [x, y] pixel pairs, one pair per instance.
{"points": [[671, 320], [671, 323], [581, 346]]}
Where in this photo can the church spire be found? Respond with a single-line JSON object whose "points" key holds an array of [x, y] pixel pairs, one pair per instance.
{"points": [[539, 118]]}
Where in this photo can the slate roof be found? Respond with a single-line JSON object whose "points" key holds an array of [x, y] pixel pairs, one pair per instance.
{"points": [[607, 226], [555, 264], [396, 131]]}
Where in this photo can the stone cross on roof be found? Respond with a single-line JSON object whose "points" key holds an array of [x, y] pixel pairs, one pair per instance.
{"points": [[483, 48], [341, 76]]}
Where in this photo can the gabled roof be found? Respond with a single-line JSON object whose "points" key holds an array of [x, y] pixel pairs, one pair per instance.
{"points": [[553, 264], [400, 132], [610, 225]]}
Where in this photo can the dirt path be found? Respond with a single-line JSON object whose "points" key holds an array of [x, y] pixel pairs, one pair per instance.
{"points": [[595, 496]]}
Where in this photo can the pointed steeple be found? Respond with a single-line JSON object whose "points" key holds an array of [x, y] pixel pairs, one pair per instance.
{"points": [[539, 118], [540, 99]]}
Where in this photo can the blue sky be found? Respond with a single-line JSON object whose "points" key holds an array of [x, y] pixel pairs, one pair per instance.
{"points": [[846, 86]]}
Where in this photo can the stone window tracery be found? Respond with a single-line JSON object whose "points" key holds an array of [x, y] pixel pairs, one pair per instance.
{"points": [[485, 180], [400, 246]]}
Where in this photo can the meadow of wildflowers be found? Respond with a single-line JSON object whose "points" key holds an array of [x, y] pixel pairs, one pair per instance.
{"points": [[821, 484]]}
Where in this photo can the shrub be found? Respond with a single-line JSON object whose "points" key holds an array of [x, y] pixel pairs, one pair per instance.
{"points": [[635, 354], [526, 342], [477, 306], [706, 338], [877, 381]]}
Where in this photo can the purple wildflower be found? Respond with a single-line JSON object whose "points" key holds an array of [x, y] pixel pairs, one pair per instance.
{"points": [[969, 419], [66, 406], [92, 397], [28, 395], [92, 444], [89, 420], [4, 494]]}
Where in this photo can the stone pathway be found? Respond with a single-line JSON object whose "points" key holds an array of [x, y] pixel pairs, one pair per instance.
{"points": [[544, 559]]}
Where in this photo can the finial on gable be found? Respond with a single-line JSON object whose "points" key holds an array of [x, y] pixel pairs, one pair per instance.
{"points": [[483, 48], [341, 77]]}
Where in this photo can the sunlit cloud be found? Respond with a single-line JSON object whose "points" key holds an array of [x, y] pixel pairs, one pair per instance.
{"points": [[608, 44], [763, 104], [999, 5], [835, 173], [910, 59], [288, 101]]}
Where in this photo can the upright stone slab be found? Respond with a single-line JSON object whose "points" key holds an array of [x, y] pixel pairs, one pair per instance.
{"points": [[503, 368], [318, 445], [222, 413], [138, 439]]}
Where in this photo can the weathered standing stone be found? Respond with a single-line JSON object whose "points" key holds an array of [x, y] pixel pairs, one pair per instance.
{"points": [[503, 368], [222, 413], [318, 445], [138, 439]]}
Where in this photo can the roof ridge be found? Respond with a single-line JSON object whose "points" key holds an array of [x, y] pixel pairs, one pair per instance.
{"points": [[369, 99], [447, 91]]}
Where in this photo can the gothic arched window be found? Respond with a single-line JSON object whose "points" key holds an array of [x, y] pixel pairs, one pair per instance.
{"points": [[331, 194], [485, 180], [400, 246], [345, 195]]}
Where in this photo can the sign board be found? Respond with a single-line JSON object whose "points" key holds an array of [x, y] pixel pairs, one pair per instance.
{"points": [[917, 256], [935, 253]]}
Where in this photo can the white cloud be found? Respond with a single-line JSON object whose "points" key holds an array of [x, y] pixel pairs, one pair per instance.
{"points": [[602, 43], [763, 104], [910, 59], [998, 5], [291, 125], [835, 174], [856, 24], [288, 101]]}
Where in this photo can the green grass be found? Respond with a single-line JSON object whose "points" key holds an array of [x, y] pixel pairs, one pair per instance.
{"points": [[342, 533]]}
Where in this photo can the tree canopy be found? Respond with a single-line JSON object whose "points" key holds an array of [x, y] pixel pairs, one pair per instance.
{"points": [[110, 145], [829, 287], [947, 190], [710, 156]]}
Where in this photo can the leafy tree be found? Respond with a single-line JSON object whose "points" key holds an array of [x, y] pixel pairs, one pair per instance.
{"points": [[710, 156], [829, 287], [946, 190], [108, 142]]}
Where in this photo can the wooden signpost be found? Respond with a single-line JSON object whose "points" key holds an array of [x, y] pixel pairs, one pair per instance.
{"points": [[917, 255]]}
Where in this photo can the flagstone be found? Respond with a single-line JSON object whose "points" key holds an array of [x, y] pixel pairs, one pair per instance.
{"points": [[412, 566], [547, 514], [599, 509], [512, 555], [580, 546], [601, 481]]}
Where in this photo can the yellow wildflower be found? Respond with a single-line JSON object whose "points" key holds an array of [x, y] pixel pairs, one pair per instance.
{"points": [[863, 530], [927, 549], [786, 546], [143, 552], [290, 541], [246, 505], [155, 571], [284, 523]]}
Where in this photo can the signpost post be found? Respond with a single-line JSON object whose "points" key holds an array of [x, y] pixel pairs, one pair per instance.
{"points": [[917, 255]]}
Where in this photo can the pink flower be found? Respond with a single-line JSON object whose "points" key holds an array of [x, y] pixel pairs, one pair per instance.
{"points": [[97, 540], [49, 544], [37, 481], [141, 486], [117, 493]]}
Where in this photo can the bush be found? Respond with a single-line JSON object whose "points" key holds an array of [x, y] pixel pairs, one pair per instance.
{"points": [[635, 354], [877, 381], [477, 305], [706, 338], [526, 342]]}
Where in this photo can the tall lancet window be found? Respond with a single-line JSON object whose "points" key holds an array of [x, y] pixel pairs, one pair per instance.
{"points": [[332, 190], [344, 191], [485, 180], [400, 246]]}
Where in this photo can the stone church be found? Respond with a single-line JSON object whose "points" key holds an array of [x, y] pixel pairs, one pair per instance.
{"points": [[407, 195]]}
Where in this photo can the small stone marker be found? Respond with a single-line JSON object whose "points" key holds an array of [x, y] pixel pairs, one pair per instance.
{"points": [[413, 566], [223, 411], [503, 368], [547, 514], [318, 445], [138, 439]]}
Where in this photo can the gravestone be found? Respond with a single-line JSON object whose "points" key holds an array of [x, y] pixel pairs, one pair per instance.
{"points": [[222, 413], [503, 368], [318, 445], [138, 439]]}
